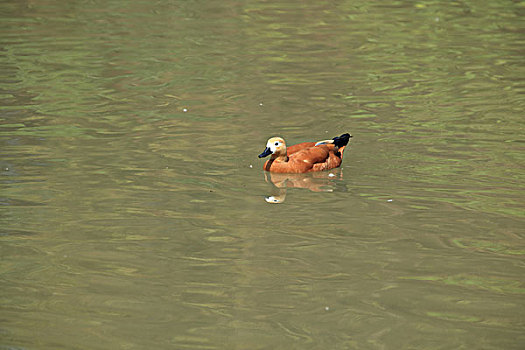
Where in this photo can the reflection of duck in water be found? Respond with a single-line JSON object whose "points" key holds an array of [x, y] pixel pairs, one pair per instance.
{"points": [[315, 182], [304, 157]]}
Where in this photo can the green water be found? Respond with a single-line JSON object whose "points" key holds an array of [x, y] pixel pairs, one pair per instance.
{"points": [[132, 203]]}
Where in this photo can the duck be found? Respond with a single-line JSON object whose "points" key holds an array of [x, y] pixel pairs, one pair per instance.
{"points": [[304, 157]]}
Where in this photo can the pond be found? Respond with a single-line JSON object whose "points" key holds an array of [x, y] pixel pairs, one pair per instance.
{"points": [[135, 213]]}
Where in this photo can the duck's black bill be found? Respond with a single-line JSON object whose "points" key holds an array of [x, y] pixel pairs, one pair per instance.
{"points": [[267, 151]]}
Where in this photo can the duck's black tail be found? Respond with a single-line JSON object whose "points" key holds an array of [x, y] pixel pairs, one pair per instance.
{"points": [[340, 141]]}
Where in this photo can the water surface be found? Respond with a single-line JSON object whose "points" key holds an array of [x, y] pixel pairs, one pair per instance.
{"points": [[133, 211]]}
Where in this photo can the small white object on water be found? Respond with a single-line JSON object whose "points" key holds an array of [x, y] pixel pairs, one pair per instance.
{"points": [[251, 166], [184, 109], [390, 200], [7, 169], [327, 308], [260, 104], [331, 175]]}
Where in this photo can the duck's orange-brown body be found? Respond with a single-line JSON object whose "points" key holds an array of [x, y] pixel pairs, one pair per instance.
{"points": [[304, 157]]}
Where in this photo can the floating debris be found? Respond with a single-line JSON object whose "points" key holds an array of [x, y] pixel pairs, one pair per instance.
{"points": [[184, 110]]}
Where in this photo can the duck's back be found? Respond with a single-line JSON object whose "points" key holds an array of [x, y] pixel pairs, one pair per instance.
{"points": [[299, 147], [318, 158]]}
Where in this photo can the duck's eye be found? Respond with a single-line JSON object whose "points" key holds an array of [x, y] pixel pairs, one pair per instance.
{"points": [[277, 143]]}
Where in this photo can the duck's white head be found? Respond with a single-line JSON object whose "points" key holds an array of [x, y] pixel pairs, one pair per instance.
{"points": [[275, 146]]}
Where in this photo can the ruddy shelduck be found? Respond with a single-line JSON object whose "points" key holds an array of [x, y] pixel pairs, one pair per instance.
{"points": [[304, 157]]}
